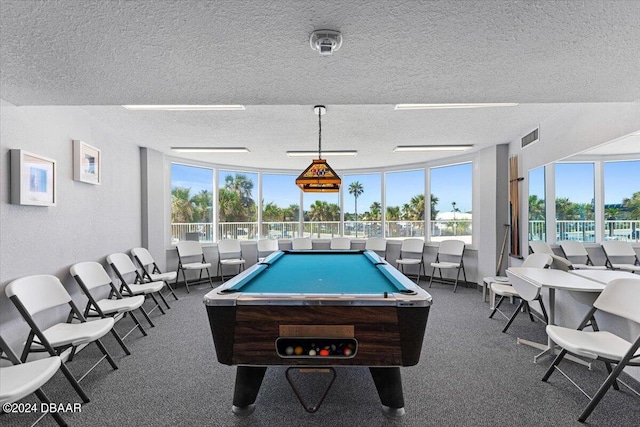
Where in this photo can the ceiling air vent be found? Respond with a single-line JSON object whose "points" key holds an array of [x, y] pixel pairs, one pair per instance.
{"points": [[530, 138]]}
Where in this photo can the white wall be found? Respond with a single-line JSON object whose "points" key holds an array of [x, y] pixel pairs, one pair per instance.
{"points": [[89, 221]]}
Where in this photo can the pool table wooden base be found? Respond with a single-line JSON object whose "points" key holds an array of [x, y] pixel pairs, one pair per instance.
{"points": [[387, 380]]}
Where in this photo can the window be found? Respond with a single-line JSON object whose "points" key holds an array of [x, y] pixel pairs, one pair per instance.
{"points": [[537, 208], [575, 201], [451, 202], [238, 211], [622, 200], [191, 203], [362, 205], [404, 204], [280, 206], [321, 215]]}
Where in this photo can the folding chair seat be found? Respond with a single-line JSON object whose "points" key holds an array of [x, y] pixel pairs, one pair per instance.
{"points": [[266, 247], [378, 245], [91, 276], [150, 270], [229, 253], [621, 297], [527, 292], [575, 251], [192, 250], [34, 294], [340, 243], [411, 253], [621, 256], [301, 243], [22, 379], [453, 252], [506, 290], [125, 270]]}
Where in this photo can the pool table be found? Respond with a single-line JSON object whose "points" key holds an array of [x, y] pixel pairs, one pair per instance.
{"points": [[319, 309]]}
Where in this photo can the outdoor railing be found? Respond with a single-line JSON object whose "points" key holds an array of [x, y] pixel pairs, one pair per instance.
{"points": [[584, 231]]}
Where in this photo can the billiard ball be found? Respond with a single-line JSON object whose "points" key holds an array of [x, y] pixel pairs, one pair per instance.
{"points": [[298, 350], [324, 352], [312, 352], [348, 351], [289, 351]]}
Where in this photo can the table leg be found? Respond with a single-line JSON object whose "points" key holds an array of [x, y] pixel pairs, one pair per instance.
{"points": [[388, 382], [248, 382]]}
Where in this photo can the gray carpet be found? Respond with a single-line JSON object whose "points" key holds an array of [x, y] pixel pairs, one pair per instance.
{"points": [[470, 374]]}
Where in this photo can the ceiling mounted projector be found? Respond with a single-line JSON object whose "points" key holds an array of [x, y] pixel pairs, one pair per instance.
{"points": [[325, 41]]}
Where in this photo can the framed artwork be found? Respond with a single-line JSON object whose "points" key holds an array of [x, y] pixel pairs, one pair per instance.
{"points": [[33, 179], [87, 163]]}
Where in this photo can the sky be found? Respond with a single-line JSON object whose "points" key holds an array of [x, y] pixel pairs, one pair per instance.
{"points": [[449, 184]]}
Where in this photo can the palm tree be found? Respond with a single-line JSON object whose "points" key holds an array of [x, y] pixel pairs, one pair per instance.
{"points": [[202, 204], [417, 207], [271, 212], [242, 187], [356, 189], [536, 208], [393, 215], [434, 211], [632, 206], [375, 211], [181, 207]]}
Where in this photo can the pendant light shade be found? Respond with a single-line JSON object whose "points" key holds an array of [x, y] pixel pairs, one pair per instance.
{"points": [[319, 177]]}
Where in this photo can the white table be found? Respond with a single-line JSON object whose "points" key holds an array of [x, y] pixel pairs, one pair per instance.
{"points": [[555, 280], [486, 286], [605, 276]]}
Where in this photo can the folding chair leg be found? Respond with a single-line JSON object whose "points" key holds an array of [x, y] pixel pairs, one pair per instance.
{"points": [[137, 322], [74, 383], [153, 297], [431, 278], [209, 276], [163, 300], [122, 344], [555, 363], [146, 316], [171, 288], [528, 310], [455, 285], [609, 370], [513, 316], [56, 416], [611, 379], [104, 351], [495, 308], [544, 311]]}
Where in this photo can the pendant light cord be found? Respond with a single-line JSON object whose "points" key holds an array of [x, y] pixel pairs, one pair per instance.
{"points": [[319, 134]]}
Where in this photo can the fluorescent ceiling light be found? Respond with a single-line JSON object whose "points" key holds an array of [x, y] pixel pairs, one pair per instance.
{"points": [[184, 107], [324, 153], [451, 106], [211, 149], [401, 148]]}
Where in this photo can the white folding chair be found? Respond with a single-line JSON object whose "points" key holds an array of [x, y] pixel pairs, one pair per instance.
{"points": [[150, 270], [527, 292], [621, 256], [229, 253], [340, 243], [34, 294], [412, 253], [266, 247], [621, 297], [506, 290], [453, 251], [301, 243], [22, 379], [91, 276], [575, 251], [378, 245], [132, 283], [540, 247], [192, 251]]}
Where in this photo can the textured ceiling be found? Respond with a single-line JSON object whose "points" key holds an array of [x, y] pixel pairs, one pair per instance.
{"points": [[107, 53]]}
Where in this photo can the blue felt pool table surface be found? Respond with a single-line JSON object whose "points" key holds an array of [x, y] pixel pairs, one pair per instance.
{"points": [[316, 272]]}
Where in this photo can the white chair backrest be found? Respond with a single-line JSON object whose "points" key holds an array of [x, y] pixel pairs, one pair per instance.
{"points": [[91, 273], [38, 293], [376, 244], [122, 263], [415, 246], [340, 243], [189, 248], [451, 247], [618, 248], [622, 298], [143, 255], [538, 261], [560, 263], [229, 246], [266, 245], [527, 290], [301, 243], [572, 248], [540, 247]]}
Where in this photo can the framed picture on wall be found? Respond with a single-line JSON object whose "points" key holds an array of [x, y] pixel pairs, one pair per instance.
{"points": [[87, 163], [33, 179]]}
